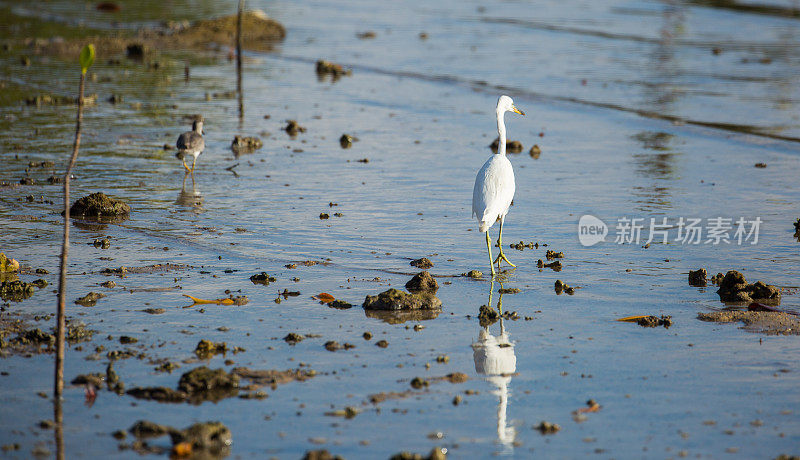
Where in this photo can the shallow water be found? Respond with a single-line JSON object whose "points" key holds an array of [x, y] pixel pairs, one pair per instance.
{"points": [[638, 118]]}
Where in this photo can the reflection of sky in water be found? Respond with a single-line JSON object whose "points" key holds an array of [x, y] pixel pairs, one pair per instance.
{"points": [[424, 123]]}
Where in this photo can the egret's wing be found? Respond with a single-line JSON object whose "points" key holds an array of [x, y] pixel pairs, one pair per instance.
{"points": [[494, 190]]}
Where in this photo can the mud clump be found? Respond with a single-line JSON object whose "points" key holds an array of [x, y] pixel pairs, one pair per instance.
{"points": [[535, 152], [272, 377], [16, 290], [698, 277], [655, 321], [8, 265], [320, 454], [293, 128], [511, 146], [546, 427], [90, 299], [346, 141], [394, 299], [262, 278], [436, 454], [550, 255], [335, 71], [102, 243], [509, 290], [212, 437], [763, 322], [487, 315], [474, 274], [422, 263], [422, 282], [145, 429], [242, 144], [100, 206], [77, 332], [293, 337], [561, 286], [206, 349], [95, 380], [208, 384], [160, 394], [340, 304], [522, 245], [734, 288], [797, 229], [555, 265], [34, 337], [201, 440]]}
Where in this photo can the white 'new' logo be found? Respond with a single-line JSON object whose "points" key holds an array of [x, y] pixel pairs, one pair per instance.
{"points": [[591, 230]]}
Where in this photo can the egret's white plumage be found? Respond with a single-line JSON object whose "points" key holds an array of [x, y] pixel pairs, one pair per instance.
{"points": [[494, 184]]}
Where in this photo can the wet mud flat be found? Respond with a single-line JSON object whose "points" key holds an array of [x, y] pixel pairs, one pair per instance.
{"points": [[263, 364]]}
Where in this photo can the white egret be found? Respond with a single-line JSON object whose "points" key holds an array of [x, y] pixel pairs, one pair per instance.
{"points": [[494, 186], [191, 143]]}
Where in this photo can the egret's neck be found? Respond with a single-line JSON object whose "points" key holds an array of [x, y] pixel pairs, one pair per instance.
{"points": [[501, 130], [198, 128]]}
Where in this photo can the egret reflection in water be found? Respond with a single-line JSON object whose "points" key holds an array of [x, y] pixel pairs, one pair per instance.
{"points": [[495, 360]]}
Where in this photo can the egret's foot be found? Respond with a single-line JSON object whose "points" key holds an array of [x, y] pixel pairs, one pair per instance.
{"points": [[502, 256]]}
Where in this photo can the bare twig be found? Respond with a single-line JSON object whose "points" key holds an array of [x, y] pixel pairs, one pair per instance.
{"points": [[86, 60], [239, 61]]}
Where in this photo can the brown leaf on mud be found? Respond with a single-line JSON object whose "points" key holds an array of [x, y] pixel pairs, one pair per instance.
{"points": [[324, 297], [197, 301]]}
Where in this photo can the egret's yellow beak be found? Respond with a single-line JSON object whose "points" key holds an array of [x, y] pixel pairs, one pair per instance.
{"points": [[516, 110]]}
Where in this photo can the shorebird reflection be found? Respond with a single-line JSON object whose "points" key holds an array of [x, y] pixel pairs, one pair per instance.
{"points": [[495, 359], [190, 198]]}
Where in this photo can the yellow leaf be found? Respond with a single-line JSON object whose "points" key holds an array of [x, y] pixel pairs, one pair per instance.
{"points": [[632, 319], [225, 301]]}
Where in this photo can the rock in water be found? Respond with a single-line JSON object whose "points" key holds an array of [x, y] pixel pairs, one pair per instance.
{"points": [[394, 299], [99, 206]]}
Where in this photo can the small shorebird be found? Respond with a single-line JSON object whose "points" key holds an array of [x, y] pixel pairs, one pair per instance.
{"points": [[494, 186], [191, 143]]}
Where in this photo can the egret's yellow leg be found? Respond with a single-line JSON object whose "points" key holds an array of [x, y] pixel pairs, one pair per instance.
{"points": [[195, 161], [489, 248], [502, 255], [184, 165]]}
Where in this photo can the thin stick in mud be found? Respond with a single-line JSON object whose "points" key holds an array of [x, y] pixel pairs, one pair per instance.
{"points": [[86, 60]]}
